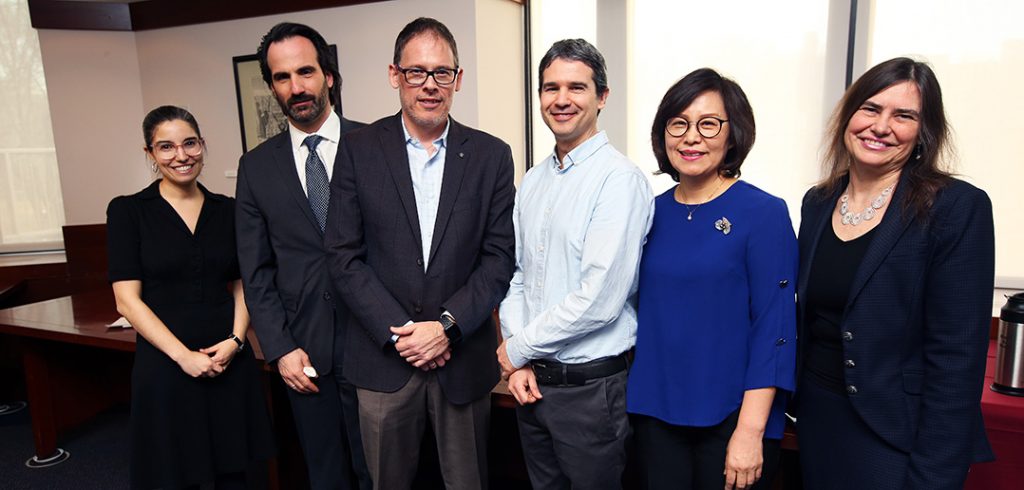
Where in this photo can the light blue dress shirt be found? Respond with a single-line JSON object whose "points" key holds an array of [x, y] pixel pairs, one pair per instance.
{"points": [[580, 230], [427, 173]]}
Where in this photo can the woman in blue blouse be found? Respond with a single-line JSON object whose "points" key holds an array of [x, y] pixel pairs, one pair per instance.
{"points": [[717, 318]]}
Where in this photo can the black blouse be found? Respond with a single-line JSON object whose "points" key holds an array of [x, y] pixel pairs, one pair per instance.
{"points": [[828, 289]]}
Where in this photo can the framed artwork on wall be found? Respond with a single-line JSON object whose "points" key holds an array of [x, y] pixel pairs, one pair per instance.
{"points": [[259, 114]]}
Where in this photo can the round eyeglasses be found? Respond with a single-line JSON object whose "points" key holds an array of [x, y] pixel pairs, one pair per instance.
{"points": [[166, 150], [708, 127], [418, 76]]}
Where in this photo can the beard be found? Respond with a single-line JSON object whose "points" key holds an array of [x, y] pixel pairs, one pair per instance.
{"points": [[311, 113]]}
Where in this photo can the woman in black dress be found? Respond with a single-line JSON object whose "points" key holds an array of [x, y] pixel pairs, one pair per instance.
{"points": [[197, 412]]}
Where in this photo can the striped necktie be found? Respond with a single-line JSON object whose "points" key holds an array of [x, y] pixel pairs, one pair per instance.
{"points": [[317, 188]]}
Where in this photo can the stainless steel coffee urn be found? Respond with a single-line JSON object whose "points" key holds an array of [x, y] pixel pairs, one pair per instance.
{"points": [[1009, 375]]}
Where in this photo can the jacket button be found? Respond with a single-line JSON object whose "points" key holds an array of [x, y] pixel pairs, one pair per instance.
{"points": [[419, 262], [418, 309], [783, 283], [851, 389], [847, 336], [780, 342], [327, 296], [849, 363]]}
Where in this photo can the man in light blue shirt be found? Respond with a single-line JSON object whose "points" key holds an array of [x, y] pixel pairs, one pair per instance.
{"points": [[569, 318]]}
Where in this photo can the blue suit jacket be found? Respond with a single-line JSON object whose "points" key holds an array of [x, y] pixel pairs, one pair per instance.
{"points": [[916, 325]]}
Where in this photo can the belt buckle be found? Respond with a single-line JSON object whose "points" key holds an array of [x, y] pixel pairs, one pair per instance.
{"points": [[543, 373]]}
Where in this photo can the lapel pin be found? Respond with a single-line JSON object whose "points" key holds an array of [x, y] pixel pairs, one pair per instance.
{"points": [[461, 155], [723, 225]]}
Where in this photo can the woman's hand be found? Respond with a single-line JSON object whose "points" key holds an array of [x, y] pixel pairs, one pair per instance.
{"points": [[222, 352], [743, 459], [198, 364]]}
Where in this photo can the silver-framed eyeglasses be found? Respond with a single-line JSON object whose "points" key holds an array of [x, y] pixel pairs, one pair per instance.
{"points": [[418, 76], [708, 127], [166, 150]]}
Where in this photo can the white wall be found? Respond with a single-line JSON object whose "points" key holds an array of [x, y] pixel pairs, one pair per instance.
{"points": [[95, 96], [101, 85]]}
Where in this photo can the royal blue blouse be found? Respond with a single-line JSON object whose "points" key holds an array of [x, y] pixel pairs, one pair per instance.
{"points": [[717, 309]]}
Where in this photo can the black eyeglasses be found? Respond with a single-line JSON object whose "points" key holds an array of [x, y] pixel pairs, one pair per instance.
{"points": [[708, 127], [418, 76]]}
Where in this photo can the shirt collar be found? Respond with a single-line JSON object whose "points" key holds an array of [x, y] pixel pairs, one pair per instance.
{"points": [[441, 141], [581, 152], [330, 130]]}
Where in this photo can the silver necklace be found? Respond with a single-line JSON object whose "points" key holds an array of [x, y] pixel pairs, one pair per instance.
{"points": [[854, 219], [689, 214]]}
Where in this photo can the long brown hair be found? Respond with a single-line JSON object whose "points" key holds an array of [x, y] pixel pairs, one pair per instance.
{"points": [[925, 171]]}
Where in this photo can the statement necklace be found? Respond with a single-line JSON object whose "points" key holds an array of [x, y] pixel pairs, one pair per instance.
{"points": [[854, 219], [689, 214]]}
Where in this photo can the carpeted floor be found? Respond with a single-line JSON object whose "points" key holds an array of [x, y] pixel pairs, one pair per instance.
{"points": [[99, 455]]}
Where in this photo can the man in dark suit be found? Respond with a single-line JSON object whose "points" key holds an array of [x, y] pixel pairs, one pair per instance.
{"points": [[281, 208], [422, 248]]}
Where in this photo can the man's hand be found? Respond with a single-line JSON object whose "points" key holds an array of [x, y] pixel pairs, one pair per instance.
{"points": [[439, 361], [523, 385], [290, 366], [506, 365], [421, 343]]}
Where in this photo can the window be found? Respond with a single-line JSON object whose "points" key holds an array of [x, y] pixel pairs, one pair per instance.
{"points": [[31, 208], [791, 60], [977, 51]]}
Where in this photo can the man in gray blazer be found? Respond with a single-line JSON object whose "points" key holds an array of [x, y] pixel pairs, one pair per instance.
{"points": [[421, 249], [282, 194]]}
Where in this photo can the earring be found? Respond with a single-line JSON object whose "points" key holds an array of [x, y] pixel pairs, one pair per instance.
{"points": [[918, 150], [153, 167]]}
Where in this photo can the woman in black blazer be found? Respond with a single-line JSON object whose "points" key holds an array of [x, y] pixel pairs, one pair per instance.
{"points": [[895, 296]]}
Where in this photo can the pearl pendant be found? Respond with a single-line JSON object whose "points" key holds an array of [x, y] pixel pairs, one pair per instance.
{"points": [[689, 217]]}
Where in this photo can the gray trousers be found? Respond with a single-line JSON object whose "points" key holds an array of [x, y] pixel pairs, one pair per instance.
{"points": [[575, 437], [393, 424]]}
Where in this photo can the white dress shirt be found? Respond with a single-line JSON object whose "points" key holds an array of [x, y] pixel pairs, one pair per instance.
{"points": [[330, 131]]}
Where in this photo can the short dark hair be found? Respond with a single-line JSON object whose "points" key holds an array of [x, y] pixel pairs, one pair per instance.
{"points": [[925, 167], [285, 30], [164, 114], [737, 109], [420, 26], [576, 50]]}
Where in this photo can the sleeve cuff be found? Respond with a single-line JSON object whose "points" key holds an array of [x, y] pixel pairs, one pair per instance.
{"points": [[515, 353]]}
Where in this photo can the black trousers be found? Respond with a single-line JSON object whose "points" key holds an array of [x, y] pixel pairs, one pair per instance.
{"points": [[575, 437], [328, 426], [682, 457]]}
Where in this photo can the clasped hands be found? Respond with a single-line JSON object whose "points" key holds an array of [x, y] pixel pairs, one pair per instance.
{"points": [[208, 362], [423, 344]]}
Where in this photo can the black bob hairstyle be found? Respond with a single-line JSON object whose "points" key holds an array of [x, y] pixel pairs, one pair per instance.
{"points": [[737, 110]]}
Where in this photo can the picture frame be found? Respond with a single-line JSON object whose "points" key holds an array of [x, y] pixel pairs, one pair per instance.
{"points": [[259, 114]]}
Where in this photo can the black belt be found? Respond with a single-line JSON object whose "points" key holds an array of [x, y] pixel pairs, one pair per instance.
{"points": [[561, 374]]}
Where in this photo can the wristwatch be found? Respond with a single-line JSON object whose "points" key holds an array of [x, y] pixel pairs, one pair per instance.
{"points": [[241, 345], [451, 329]]}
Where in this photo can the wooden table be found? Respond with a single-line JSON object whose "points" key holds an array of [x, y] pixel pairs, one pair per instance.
{"points": [[75, 367]]}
